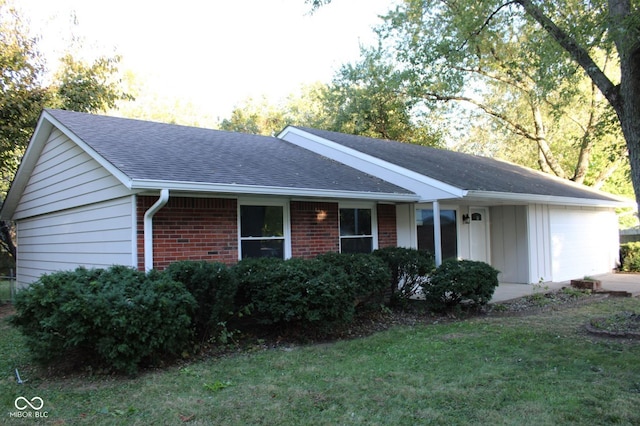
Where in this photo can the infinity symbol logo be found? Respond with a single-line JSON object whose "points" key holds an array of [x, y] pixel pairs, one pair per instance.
{"points": [[36, 403]]}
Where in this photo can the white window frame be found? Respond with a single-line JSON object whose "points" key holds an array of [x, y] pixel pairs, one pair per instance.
{"points": [[374, 221], [286, 223]]}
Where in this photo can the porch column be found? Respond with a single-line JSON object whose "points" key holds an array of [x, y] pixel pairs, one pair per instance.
{"points": [[437, 235]]}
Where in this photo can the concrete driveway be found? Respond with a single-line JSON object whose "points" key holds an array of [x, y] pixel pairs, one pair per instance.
{"points": [[612, 282]]}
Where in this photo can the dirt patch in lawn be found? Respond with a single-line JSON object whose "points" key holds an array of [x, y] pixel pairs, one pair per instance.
{"points": [[6, 309]]}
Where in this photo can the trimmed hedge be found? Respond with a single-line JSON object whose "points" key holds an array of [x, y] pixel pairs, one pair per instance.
{"points": [[369, 276], [300, 293], [460, 281], [409, 268], [119, 317], [213, 286]]}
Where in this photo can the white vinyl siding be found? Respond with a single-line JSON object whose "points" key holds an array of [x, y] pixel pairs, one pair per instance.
{"points": [[94, 236], [583, 242], [66, 177], [509, 243]]}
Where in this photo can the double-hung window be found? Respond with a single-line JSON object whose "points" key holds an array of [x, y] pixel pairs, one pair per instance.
{"points": [[357, 230], [263, 230]]}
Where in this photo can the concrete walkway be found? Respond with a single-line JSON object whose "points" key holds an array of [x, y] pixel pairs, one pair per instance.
{"points": [[612, 282]]}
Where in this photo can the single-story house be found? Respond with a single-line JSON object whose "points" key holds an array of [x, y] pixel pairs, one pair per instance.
{"points": [[96, 191]]}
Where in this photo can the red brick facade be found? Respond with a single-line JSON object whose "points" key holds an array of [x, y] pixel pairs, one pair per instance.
{"points": [[190, 229], [314, 228], [387, 232], [207, 229]]}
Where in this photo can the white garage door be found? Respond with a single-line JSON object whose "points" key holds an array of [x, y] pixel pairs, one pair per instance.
{"points": [[583, 243]]}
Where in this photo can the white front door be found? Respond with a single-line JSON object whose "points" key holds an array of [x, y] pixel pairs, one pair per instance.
{"points": [[479, 230]]}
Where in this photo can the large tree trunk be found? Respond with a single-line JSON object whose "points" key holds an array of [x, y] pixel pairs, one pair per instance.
{"points": [[628, 111], [625, 98]]}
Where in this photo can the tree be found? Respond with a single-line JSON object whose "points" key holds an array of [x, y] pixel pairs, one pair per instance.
{"points": [[369, 98], [467, 32], [77, 86], [359, 101]]}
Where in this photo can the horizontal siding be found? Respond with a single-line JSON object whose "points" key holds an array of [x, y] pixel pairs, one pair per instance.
{"points": [[95, 236], [66, 177]]}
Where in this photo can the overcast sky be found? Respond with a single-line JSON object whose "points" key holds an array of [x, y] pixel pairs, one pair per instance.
{"points": [[213, 53]]}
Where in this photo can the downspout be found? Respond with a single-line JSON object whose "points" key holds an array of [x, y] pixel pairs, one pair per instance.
{"points": [[437, 233], [148, 228]]}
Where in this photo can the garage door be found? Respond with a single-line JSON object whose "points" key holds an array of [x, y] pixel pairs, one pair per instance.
{"points": [[583, 242]]}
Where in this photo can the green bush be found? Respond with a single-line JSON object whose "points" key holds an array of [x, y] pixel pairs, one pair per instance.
{"points": [[630, 257], [306, 294], [213, 286], [408, 267], [368, 274], [117, 318], [458, 282]]}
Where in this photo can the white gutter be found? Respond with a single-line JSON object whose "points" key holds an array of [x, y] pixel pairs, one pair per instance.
{"points": [[615, 201], [145, 184], [148, 228]]}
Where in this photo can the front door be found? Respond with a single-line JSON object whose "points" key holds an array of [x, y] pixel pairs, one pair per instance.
{"points": [[479, 230]]}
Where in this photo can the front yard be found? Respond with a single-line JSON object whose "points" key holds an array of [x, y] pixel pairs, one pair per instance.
{"points": [[532, 368]]}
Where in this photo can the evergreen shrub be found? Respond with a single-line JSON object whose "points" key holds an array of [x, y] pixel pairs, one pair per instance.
{"points": [[409, 268], [213, 286], [458, 282], [630, 257], [295, 293], [368, 274], [117, 318]]}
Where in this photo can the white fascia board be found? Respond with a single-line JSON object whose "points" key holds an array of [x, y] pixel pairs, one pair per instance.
{"points": [[116, 172], [27, 164], [427, 188], [524, 199], [203, 187]]}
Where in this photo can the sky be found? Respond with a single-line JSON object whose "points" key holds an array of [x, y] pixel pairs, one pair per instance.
{"points": [[213, 54]]}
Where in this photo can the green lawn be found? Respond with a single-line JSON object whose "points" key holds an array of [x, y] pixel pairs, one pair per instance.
{"points": [[536, 370], [5, 291]]}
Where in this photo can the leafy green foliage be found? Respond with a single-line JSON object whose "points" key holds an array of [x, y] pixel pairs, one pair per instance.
{"points": [[630, 257], [408, 267], [368, 274], [306, 294], [88, 87], [213, 286], [119, 317], [460, 281]]}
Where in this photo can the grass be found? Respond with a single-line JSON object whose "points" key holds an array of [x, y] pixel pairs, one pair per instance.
{"points": [[536, 370], [5, 291]]}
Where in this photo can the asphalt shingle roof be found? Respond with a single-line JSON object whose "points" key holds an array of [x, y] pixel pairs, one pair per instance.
{"points": [[464, 171], [166, 152]]}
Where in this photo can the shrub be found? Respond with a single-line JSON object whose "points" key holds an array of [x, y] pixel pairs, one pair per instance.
{"points": [[460, 281], [118, 318], [368, 274], [296, 293], [408, 267], [630, 257], [213, 286]]}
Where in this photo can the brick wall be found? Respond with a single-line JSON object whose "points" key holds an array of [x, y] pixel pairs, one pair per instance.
{"points": [[207, 229], [387, 232], [190, 229], [314, 228]]}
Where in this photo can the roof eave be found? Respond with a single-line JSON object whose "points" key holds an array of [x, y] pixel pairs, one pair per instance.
{"points": [[204, 187], [27, 163], [548, 199]]}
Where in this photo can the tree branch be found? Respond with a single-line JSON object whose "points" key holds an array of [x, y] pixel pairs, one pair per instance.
{"points": [[577, 52]]}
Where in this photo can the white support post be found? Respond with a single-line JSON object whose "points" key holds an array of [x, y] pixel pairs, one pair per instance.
{"points": [[437, 234]]}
